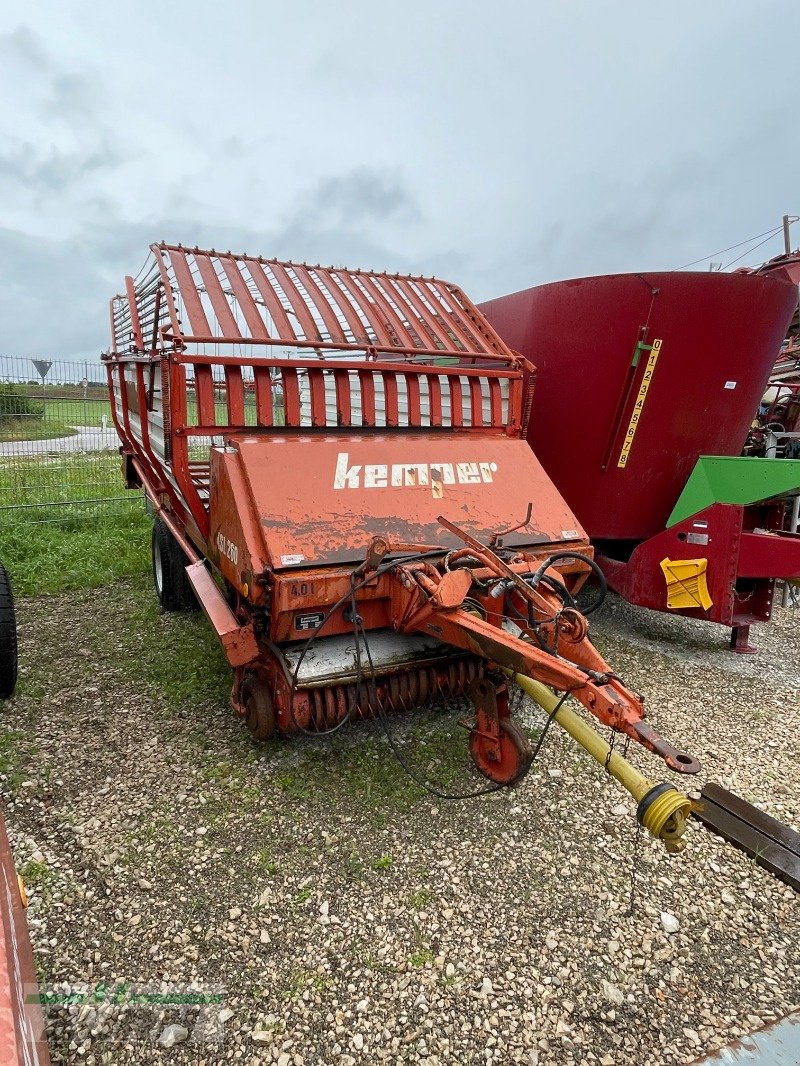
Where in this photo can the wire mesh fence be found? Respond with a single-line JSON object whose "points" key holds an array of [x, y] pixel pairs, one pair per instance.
{"points": [[59, 451]]}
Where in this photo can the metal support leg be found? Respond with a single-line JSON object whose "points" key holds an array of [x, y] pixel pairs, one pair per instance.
{"points": [[740, 641]]}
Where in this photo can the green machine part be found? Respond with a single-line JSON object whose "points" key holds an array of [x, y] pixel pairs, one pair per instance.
{"points": [[734, 479]]}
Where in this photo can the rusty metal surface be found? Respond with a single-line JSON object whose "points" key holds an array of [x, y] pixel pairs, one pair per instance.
{"points": [[770, 843], [321, 500], [777, 1044], [22, 1040]]}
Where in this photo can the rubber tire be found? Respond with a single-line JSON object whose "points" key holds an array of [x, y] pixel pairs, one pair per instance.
{"points": [[173, 588], [8, 638]]}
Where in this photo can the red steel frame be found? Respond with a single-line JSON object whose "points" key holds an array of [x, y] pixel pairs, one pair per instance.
{"points": [[389, 320]]}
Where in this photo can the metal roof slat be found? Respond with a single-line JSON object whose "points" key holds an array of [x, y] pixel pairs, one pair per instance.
{"points": [[189, 294], [252, 316], [295, 298], [219, 301], [321, 303], [359, 300], [270, 297], [425, 315], [353, 321], [450, 319], [374, 289]]}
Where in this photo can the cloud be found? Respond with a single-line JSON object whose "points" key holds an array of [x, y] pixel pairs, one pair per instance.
{"points": [[25, 47], [363, 195]]}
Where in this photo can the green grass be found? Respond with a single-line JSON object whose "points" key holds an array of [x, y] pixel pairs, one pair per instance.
{"points": [[56, 557], [24, 428], [44, 480], [17, 751], [183, 662]]}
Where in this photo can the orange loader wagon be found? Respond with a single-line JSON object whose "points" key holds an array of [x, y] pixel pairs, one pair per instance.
{"points": [[337, 466]]}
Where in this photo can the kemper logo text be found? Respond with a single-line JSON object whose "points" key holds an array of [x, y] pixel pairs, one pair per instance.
{"points": [[399, 475]]}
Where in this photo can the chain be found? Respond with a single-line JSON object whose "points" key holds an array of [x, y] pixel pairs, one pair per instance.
{"points": [[635, 863]]}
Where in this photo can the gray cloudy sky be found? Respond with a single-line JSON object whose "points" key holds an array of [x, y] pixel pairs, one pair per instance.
{"points": [[496, 144]]}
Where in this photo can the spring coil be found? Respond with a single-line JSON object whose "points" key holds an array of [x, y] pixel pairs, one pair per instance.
{"points": [[393, 693]]}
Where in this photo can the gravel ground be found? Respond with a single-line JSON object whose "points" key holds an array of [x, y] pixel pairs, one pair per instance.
{"points": [[332, 913]]}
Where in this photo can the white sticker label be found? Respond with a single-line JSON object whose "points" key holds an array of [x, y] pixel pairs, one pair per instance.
{"points": [[291, 560], [730, 384], [697, 538], [569, 534]]}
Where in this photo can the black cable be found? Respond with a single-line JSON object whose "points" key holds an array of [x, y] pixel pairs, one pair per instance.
{"points": [[766, 233], [412, 773], [598, 573], [426, 784]]}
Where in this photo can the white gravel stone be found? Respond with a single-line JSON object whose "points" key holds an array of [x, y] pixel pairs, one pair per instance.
{"points": [[172, 1034], [612, 993], [669, 923]]}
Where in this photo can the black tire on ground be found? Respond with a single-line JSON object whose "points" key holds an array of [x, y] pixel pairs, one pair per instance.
{"points": [[173, 588], [8, 638]]}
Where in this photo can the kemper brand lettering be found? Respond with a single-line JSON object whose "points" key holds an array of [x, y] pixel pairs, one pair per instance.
{"points": [[400, 475]]}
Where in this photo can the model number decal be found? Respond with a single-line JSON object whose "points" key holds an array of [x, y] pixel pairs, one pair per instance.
{"points": [[227, 549]]}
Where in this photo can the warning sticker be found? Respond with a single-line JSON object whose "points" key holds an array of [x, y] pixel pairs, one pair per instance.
{"points": [[647, 377]]}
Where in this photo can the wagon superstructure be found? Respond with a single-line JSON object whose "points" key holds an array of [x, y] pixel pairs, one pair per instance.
{"points": [[339, 473]]}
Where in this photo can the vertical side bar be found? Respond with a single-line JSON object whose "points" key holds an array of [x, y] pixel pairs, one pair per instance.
{"points": [[234, 387], [138, 338], [344, 411], [435, 399], [316, 388], [263, 382], [179, 448], [390, 392], [456, 402], [414, 408], [204, 395], [367, 397], [476, 401], [495, 401], [291, 396]]}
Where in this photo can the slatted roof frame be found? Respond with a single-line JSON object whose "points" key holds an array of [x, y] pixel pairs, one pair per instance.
{"points": [[188, 296]]}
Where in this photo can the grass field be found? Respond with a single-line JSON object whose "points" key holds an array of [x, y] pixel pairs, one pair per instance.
{"points": [[79, 553], [79, 545], [25, 428]]}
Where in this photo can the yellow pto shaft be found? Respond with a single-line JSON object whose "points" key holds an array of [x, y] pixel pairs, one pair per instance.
{"points": [[662, 809]]}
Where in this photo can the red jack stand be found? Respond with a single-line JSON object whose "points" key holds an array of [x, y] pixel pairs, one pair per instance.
{"points": [[740, 641]]}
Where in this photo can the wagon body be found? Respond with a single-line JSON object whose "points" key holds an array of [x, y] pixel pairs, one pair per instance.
{"points": [[283, 415], [337, 461]]}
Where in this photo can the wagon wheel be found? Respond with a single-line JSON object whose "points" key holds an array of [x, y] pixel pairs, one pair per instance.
{"points": [[259, 712], [515, 754], [173, 587], [8, 638]]}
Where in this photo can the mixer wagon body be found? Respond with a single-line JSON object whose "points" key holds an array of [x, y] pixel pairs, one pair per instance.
{"points": [[644, 384], [339, 473], [719, 335]]}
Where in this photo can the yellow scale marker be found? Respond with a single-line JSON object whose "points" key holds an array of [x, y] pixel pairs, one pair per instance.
{"points": [[637, 407]]}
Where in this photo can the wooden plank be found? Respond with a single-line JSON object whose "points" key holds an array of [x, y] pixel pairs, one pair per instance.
{"points": [[758, 819], [778, 860]]}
